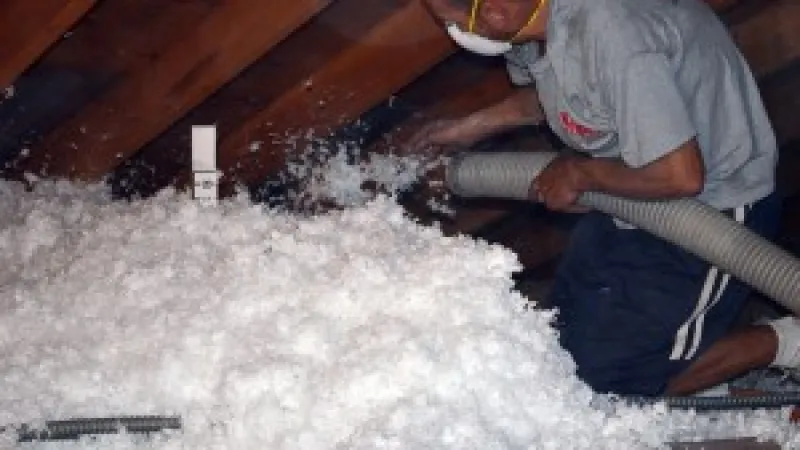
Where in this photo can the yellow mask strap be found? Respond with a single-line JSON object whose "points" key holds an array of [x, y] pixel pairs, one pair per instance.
{"points": [[473, 15], [533, 18]]}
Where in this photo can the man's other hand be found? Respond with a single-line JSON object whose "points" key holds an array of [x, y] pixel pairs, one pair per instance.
{"points": [[440, 137], [560, 185]]}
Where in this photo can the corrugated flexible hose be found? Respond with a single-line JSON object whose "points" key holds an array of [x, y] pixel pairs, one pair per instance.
{"points": [[688, 223], [74, 429], [58, 430]]}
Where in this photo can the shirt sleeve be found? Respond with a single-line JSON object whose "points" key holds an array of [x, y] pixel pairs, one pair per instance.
{"points": [[518, 62], [651, 114]]}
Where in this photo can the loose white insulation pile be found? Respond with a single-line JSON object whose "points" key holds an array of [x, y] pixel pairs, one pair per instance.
{"points": [[355, 329]]}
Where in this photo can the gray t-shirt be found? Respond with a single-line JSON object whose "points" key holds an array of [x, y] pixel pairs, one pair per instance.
{"points": [[635, 79]]}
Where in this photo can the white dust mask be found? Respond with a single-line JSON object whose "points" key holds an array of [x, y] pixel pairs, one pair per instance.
{"points": [[476, 43]]}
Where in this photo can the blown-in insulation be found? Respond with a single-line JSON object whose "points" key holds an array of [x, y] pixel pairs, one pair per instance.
{"points": [[351, 329]]}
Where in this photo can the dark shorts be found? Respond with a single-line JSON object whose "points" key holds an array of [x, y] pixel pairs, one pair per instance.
{"points": [[634, 310]]}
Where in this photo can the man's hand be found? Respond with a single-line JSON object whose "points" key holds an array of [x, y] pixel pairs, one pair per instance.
{"points": [[441, 136], [559, 185], [678, 174]]}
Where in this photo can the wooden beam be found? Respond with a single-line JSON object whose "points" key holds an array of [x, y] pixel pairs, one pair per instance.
{"points": [[118, 36], [29, 27], [452, 90], [112, 40], [770, 39], [770, 42], [781, 94], [294, 60], [156, 94], [391, 55]]}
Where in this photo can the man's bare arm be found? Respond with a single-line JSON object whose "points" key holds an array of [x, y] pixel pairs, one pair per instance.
{"points": [[519, 109], [678, 174]]}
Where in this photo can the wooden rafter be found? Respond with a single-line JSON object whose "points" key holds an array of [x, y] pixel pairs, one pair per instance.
{"points": [[297, 58], [156, 94], [118, 36], [782, 96], [450, 91], [28, 28], [770, 39], [392, 54]]}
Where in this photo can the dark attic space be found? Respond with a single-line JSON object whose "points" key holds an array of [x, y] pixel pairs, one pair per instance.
{"points": [[427, 224]]}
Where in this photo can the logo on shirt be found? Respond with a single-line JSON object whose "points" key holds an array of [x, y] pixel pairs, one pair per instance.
{"points": [[574, 127]]}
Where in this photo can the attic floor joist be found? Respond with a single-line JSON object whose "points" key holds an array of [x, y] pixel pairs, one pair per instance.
{"points": [[156, 94], [28, 28]]}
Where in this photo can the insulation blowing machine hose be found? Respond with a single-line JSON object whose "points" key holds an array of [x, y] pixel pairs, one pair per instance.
{"points": [[687, 223]]}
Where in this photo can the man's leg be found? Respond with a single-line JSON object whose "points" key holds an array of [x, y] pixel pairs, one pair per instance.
{"points": [[642, 317], [776, 344], [621, 296], [726, 359]]}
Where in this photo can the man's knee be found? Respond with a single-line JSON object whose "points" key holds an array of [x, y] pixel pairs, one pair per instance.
{"points": [[618, 368]]}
